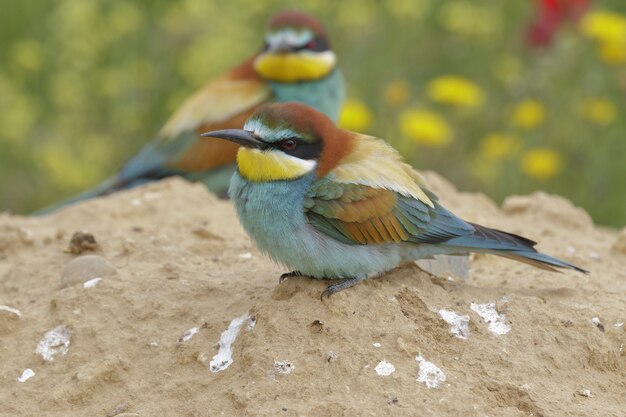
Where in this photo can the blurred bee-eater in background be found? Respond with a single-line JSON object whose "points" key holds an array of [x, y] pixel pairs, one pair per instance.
{"points": [[333, 204], [295, 64]]}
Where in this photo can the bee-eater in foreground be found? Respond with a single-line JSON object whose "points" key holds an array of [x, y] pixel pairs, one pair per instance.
{"points": [[295, 64], [333, 204]]}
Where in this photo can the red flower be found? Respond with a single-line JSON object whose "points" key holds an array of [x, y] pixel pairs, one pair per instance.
{"points": [[550, 15]]}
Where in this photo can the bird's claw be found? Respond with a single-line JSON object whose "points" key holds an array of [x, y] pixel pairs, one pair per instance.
{"points": [[341, 285], [289, 275]]}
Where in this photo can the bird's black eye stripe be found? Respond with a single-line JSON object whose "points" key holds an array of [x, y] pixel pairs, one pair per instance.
{"points": [[302, 149], [317, 44]]}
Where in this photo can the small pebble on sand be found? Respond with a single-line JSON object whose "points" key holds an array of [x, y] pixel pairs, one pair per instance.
{"points": [[85, 268], [385, 368]]}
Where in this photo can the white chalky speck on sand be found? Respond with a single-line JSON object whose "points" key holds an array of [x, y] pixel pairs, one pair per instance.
{"points": [[246, 255], [429, 373], [26, 375], [186, 337], [53, 342], [460, 324], [385, 368], [284, 367], [598, 323], [224, 356], [496, 321], [92, 282], [13, 311]]}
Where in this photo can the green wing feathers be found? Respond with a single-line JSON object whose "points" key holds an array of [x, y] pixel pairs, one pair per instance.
{"points": [[360, 214]]}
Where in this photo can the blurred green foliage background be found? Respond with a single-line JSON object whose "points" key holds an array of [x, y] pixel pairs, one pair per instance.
{"points": [[455, 85]]}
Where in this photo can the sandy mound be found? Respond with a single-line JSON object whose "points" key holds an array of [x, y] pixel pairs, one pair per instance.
{"points": [[177, 271]]}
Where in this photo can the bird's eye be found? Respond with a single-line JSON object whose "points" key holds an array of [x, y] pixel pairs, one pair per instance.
{"points": [[311, 45], [288, 144], [266, 47]]}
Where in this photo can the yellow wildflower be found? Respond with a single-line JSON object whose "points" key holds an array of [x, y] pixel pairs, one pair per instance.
{"points": [[397, 92], [612, 52], [542, 163], [456, 91], [499, 145], [609, 29], [425, 127], [355, 116], [529, 113], [604, 26], [599, 110]]}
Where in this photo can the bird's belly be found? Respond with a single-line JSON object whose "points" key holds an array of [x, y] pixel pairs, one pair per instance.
{"points": [[273, 216], [319, 256]]}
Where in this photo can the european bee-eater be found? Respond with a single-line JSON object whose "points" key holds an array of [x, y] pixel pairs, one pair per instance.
{"points": [[333, 204], [296, 63]]}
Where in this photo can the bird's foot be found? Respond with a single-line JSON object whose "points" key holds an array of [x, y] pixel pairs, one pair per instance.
{"points": [[341, 285], [289, 275]]}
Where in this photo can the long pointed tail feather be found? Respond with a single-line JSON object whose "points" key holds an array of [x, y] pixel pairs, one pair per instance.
{"points": [[508, 245]]}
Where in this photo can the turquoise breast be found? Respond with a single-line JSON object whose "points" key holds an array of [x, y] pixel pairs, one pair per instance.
{"points": [[326, 95]]}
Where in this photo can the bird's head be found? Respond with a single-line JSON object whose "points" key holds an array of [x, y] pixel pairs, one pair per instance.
{"points": [[285, 141], [296, 49]]}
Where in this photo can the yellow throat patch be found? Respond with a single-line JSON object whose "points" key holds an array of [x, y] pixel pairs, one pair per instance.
{"points": [[292, 67], [260, 166]]}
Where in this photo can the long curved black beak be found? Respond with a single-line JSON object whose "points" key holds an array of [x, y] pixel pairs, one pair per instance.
{"points": [[241, 137]]}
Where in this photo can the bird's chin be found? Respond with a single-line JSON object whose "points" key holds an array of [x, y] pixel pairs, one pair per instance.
{"points": [[261, 166], [296, 66]]}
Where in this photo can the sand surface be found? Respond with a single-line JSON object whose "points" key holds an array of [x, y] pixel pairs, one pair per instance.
{"points": [[176, 269]]}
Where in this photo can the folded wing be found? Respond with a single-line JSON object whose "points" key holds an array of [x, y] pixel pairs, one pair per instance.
{"points": [[374, 197], [225, 102]]}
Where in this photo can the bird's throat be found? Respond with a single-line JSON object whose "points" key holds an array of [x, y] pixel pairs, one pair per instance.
{"points": [[261, 166], [294, 67]]}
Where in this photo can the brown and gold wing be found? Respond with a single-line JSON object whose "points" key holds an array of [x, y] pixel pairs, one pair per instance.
{"points": [[372, 196], [360, 214], [225, 103]]}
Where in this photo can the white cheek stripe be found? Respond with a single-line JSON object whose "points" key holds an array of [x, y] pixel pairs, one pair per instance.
{"points": [[307, 165]]}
